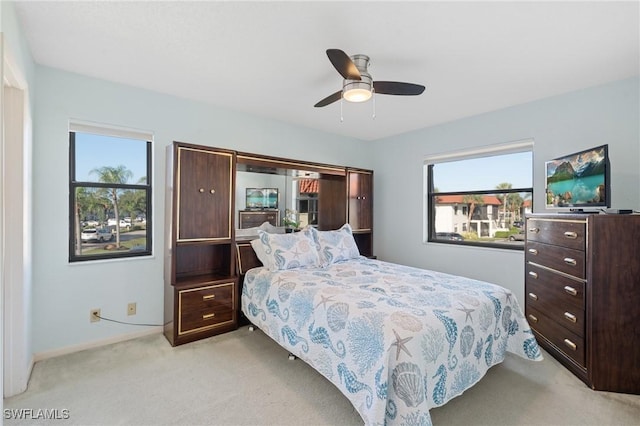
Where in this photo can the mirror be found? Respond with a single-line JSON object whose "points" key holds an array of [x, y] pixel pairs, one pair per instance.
{"points": [[274, 197]]}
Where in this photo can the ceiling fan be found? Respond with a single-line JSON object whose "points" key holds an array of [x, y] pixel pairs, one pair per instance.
{"points": [[358, 85]]}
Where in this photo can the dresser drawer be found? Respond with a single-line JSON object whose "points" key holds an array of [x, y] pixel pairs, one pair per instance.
{"points": [[567, 342], [564, 233], [564, 291], [561, 259], [568, 316], [254, 219], [205, 307]]}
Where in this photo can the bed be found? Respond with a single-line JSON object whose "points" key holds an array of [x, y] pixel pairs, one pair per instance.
{"points": [[395, 340]]}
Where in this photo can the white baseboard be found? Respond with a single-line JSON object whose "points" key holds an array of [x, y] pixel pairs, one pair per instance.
{"points": [[95, 344]]}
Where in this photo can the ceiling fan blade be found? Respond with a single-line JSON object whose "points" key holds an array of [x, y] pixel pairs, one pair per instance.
{"points": [[397, 88], [329, 99], [343, 64]]}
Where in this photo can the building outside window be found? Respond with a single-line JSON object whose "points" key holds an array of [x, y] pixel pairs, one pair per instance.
{"points": [[109, 192], [479, 197]]}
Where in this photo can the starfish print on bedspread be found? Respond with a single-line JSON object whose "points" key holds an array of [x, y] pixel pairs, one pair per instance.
{"points": [[324, 300], [467, 311], [400, 345]]}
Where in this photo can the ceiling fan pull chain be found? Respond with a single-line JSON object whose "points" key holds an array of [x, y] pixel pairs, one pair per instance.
{"points": [[341, 116]]}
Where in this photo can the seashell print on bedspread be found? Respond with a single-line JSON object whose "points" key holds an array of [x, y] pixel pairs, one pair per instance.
{"points": [[396, 340]]}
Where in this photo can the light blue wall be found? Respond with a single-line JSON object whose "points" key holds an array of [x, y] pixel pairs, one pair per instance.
{"points": [[65, 293], [559, 125]]}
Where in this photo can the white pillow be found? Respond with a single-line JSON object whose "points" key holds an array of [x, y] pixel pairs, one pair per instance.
{"points": [[287, 251], [337, 246], [259, 249]]}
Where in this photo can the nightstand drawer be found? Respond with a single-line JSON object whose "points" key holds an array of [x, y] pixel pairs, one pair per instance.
{"points": [[207, 297], [564, 233], [193, 321], [569, 343], [558, 258], [562, 290], [206, 307]]}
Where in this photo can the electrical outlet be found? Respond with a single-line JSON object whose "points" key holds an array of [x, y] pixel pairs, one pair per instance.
{"points": [[94, 315], [131, 308]]}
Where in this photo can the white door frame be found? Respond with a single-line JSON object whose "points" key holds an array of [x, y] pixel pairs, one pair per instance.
{"points": [[16, 219]]}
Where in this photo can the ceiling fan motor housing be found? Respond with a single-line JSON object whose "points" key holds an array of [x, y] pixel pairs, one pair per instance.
{"points": [[359, 90]]}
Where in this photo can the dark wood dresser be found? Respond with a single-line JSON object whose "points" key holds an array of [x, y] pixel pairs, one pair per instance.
{"points": [[582, 295], [255, 218]]}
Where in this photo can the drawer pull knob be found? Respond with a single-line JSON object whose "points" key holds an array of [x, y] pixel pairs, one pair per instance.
{"points": [[533, 251], [534, 230], [201, 190], [208, 316], [213, 191], [533, 318], [209, 297], [570, 344], [570, 234], [570, 317], [570, 261], [533, 274], [572, 291], [533, 296]]}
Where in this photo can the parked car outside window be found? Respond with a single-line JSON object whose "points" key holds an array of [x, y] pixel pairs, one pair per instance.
{"points": [[123, 223], [451, 236], [517, 237], [94, 234]]}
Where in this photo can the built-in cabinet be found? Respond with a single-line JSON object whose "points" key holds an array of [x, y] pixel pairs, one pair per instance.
{"points": [[582, 295], [360, 208], [202, 287], [200, 279]]}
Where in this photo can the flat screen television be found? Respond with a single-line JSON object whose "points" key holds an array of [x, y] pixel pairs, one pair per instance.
{"points": [[579, 181], [262, 198]]}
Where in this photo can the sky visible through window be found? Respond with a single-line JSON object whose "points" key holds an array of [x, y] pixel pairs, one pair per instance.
{"points": [[484, 173], [95, 151]]}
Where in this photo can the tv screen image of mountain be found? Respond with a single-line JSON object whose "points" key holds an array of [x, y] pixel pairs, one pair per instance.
{"points": [[579, 180], [261, 198]]}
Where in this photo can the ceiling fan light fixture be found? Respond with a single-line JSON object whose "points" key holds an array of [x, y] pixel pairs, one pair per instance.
{"points": [[357, 95], [358, 90]]}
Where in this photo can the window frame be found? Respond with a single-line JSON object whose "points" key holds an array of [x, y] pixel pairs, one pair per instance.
{"points": [[481, 152], [147, 137]]}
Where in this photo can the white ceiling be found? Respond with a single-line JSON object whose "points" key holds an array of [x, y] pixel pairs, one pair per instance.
{"points": [[268, 58]]}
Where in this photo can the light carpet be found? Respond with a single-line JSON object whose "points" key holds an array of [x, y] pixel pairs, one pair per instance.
{"points": [[244, 378]]}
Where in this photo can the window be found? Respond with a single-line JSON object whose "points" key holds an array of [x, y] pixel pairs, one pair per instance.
{"points": [[479, 197], [109, 193]]}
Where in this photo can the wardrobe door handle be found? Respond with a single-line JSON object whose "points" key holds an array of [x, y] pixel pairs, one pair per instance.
{"points": [[533, 318], [533, 251], [533, 296], [572, 291], [570, 234], [570, 317], [570, 261], [533, 274], [201, 190]]}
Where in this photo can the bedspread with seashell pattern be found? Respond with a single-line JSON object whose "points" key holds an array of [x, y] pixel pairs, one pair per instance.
{"points": [[396, 340]]}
